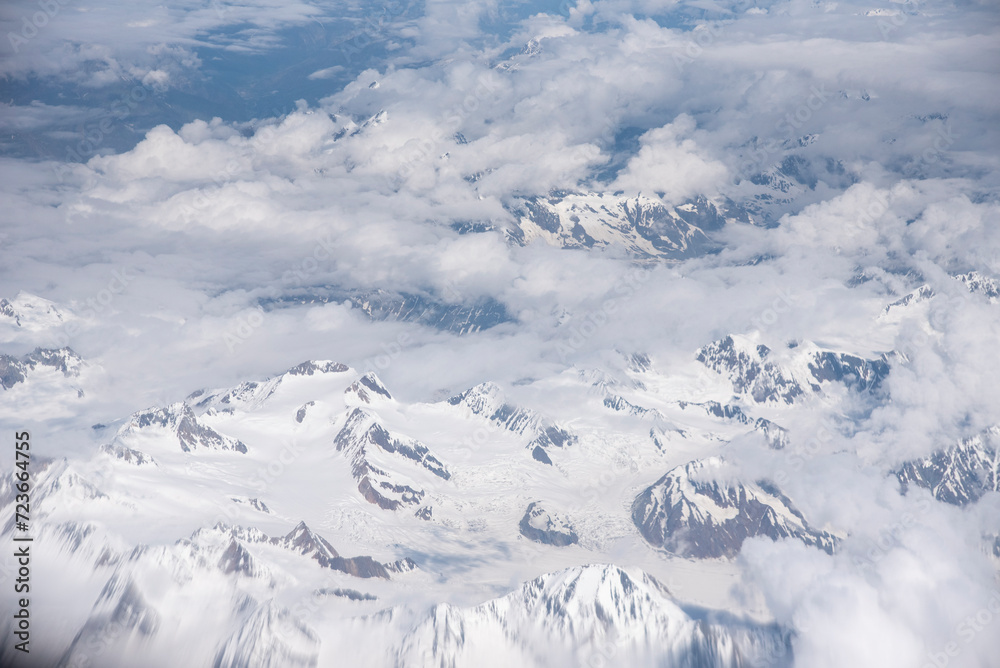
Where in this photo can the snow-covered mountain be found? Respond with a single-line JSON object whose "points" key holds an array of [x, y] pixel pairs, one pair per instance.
{"points": [[367, 444], [487, 400], [980, 284], [214, 501], [960, 474], [588, 615], [14, 370], [641, 226], [179, 421], [32, 313], [695, 511], [975, 282], [541, 526], [761, 376]]}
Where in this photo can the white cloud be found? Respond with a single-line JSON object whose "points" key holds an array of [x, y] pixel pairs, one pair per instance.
{"points": [[670, 162]]}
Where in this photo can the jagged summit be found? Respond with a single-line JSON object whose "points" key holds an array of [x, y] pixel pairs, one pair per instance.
{"points": [[180, 421], [642, 226], [368, 388], [690, 511], [960, 474], [569, 617], [374, 453], [14, 370]]}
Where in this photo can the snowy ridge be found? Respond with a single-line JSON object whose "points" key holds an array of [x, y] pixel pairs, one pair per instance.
{"points": [[757, 375], [692, 513], [487, 400], [14, 370], [251, 395], [301, 540], [126, 454], [918, 296], [31, 313], [365, 442], [977, 283], [367, 389], [179, 421], [572, 617], [642, 226], [57, 483], [961, 474], [259, 553]]}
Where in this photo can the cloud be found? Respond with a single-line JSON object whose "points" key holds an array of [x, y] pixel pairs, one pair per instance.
{"points": [[869, 145], [669, 162]]}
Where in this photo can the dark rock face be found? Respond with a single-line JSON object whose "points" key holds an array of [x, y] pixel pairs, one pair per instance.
{"points": [[977, 283], [404, 565], [749, 372], [362, 432], [8, 311], [304, 541], [370, 381], [375, 492], [553, 436], [368, 387], [714, 408], [353, 432], [687, 513], [538, 525], [359, 567], [193, 434], [301, 539], [300, 414], [857, 373], [12, 371], [236, 559], [350, 594], [622, 405], [538, 454], [959, 475]]}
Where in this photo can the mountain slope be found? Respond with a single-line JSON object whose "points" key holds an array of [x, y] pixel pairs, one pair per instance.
{"points": [[584, 614], [487, 400], [642, 226], [961, 474], [693, 512]]}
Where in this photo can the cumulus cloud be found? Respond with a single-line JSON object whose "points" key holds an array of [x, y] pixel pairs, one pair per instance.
{"points": [[669, 162]]}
